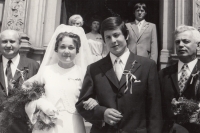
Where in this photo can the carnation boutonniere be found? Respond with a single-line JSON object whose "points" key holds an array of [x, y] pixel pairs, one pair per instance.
{"points": [[194, 75], [15, 83], [128, 73], [23, 72]]}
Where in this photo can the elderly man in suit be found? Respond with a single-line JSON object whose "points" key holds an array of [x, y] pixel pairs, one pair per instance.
{"points": [[125, 86], [178, 80], [142, 34], [11, 66]]}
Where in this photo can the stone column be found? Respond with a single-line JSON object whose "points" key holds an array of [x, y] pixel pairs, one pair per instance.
{"points": [[35, 21], [52, 19], [183, 12], [167, 25], [43, 18]]}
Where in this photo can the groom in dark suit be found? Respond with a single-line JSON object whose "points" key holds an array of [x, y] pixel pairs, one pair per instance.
{"points": [[125, 86], [181, 79], [11, 66]]}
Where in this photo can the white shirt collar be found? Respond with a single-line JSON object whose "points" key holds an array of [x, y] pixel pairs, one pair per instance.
{"points": [[15, 61], [141, 22], [123, 57], [191, 65]]}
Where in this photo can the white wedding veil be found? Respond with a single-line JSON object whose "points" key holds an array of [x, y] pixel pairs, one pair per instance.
{"points": [[82, 59]]}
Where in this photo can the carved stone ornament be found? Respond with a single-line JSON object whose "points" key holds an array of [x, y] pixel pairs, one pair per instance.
{"points": [[197, 14], [16, 15]]}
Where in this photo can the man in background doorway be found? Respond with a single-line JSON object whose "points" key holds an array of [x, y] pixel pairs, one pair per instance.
{"points": [[142, 34]]}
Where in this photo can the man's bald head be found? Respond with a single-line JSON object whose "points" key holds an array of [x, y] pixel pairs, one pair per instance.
{"points": [[9, 43], [11, 32]]}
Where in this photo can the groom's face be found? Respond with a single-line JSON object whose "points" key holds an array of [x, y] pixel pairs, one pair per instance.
{"points": [[116, 41]]}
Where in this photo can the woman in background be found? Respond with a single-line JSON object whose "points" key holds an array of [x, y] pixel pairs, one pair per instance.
{"points": [[95, 41], [76, 20]]}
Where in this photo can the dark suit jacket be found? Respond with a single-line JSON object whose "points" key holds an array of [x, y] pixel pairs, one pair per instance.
{"points": [[143, 43], [169, 90], [19, 126], [141, 110]]}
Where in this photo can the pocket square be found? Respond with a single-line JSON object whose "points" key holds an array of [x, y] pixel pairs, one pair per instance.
{"points": [[137, 81]]}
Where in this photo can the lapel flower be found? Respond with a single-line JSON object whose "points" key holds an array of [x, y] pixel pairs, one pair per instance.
{"points": [[194, 75], [130, 77], [23, 72]]}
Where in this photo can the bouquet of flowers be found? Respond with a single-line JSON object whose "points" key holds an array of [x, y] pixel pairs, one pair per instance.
{"points": [[186, 110], [13, 108]]}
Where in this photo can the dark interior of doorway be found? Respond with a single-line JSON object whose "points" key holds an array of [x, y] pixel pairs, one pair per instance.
{"points": [[107, 8]]}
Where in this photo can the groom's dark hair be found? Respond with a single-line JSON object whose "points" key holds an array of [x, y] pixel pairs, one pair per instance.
{"points": [[75, 38], [113, 23]]}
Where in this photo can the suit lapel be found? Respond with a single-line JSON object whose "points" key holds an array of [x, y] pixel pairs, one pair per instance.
{"points": [[2, 79], [196, 68], [128, 66], [144, 27], [108, 70], [135, 29], [174, 77]]}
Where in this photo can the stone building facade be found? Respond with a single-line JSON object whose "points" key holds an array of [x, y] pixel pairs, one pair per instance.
{"points": [[37, 20]]}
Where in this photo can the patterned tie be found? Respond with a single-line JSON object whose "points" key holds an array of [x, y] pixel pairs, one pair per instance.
{"points": [[183, 79], [118, 68], [9, 75]]}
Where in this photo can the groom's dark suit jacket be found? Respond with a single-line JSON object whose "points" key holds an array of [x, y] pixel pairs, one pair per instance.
{"points": [[141, 110], [19, 126], [169, 90]]}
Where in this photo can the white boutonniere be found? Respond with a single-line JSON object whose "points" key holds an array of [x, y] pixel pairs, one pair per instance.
{"points": [[194, 75], [23, 72], [132, 79]]}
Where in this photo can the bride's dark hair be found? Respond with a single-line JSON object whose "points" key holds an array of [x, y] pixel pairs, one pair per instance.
{"points": [[75, 38]]}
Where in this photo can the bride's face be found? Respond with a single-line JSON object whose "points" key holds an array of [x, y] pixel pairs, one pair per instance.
{"points": [[66, 50]]}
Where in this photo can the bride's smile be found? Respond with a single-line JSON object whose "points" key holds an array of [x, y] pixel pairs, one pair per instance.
{"points": [[66, 51]]}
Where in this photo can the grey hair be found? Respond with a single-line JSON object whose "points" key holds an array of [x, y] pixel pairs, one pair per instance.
{"points": [[193, 30], [75, 17]]}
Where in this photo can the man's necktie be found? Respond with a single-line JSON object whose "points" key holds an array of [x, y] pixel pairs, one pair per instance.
{"points": [[183, 79], [118, 68], [9, 75], [139, 26]]}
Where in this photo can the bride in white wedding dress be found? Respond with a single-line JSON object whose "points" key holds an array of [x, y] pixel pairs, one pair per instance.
{"points": [[62, 71]]}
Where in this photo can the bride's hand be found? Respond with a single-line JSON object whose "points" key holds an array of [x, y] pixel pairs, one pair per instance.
{"points": [[90, 104], [46, 119], [46, 107]]}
